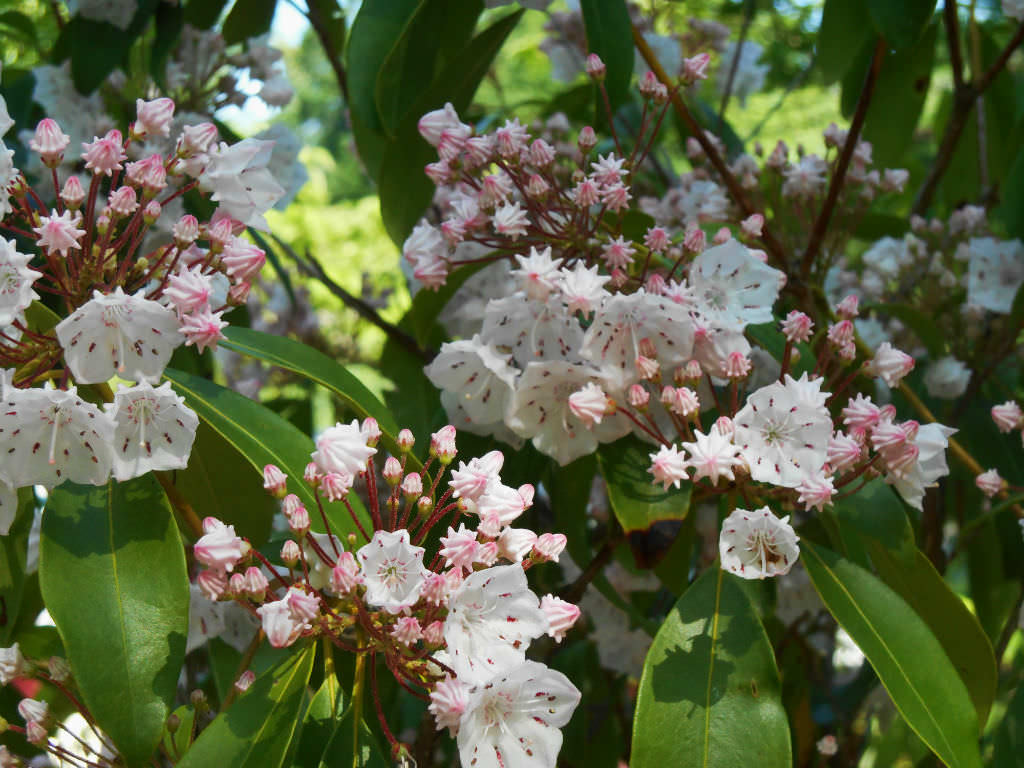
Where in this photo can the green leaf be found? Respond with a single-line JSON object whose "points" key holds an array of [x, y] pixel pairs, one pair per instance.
{"points": [[220, 482], [898, 99], [342, 753], [170, 19], [112, 570], [20, 24], [256, 731], [203, 14], [248, 18], [901, 24], [14, 581], [376, 28], [256, 432], [436, 28], [610, 35], [569, 489], [636, 501], [909, 660], [262, 437], [405, 191], [710, 694], [98, 48], [1009, 739], [319, 725], [315, 366], [845, 26], [952, 622], [1013, 197]]}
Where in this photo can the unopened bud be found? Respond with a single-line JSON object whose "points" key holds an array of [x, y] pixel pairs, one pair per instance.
{"points": [[406, 440], [198, 700], [275, 482], [244, 680], [392, 471], [596, 69], [587, 140], [58, 668], [290, 553]]}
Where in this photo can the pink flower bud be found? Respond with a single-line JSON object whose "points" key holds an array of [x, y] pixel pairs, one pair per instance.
{"points": [[841, 334], [696, 240], [412, 486], [561, 615], [797, 327], [244, 680], [587, 139], [275, 482], [336, 485], [589, 405], [50, 142], [433, 633], [197, 139], [648, 84], [1007, 416], [73, 195], [236, 584], [346, 576], [406, 440], [104, 156], [696, 68], [407, 630], [290, 553], [153, 117], [442, 444], [595, 68], [220, 233], [243, 260], [299, 522], [723, 235], [990, 483], [848, 307], [36, 734], [540, 154], [448, 701], [752, 225], [312, 474], [219, 548], [392, 471], [212, 583], [548, 547], [122, 201], [656, 239], [890, 364], [151, 212], [256, 584]]}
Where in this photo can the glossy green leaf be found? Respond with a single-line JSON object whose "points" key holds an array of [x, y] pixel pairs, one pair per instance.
{"points": [[952, 622], [98, 48], [203, 14], [1009, 739], [256, 432], [1013, 197], [169, 21], [21, 25], [710, 692], [636, 501], [845, 26], [247, 19], [610, 35], [220, 482], [898, 99], [901, 23], [14, 581], [262, 437], [258, 728], [319, 725], [315, 366], [911, 663], [112, 570], [376, 28], [342, 752], [437, 28], [405, 191], [569, 489]]}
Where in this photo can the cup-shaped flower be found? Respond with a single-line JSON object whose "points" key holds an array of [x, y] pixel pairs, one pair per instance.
{"points": [[757, 544], [392, 570]]}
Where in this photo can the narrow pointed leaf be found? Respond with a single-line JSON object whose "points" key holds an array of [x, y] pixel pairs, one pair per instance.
{"points": [[257, 730], [909, 660], [315, 366], [112, 570], [710, 694]]}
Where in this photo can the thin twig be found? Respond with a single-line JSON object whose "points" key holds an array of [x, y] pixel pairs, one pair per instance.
{"points": [[772, 246], [573, 593], [963, 102], [952, 25], [310, 266], [852, 139], [748, 17]]}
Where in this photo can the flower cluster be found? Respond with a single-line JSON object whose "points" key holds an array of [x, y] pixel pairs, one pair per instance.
{"points": [[127, 302], [599, 335], [453, 627]]}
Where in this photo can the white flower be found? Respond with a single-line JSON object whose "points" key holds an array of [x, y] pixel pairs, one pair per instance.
{"points": [[154, 430], [51, 435], [392, 570], [118, 335], [537, 273], [513, 719], [806, 178], [532, 330], [12, 664], [205, 619], [492, 617], [947, 378], [757, 544], [280, 623], [284, 164], [781, 436], [479, 376], [668, 466], [627, 321], [732, 288], [15, 282], [888, 256], [343, 449], [239, 180], [994, 273], [582, 288], [712, 455], [931, 442], [116, 12], [540, 411]]}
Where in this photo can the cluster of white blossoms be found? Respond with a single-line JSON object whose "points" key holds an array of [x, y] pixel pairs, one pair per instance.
{"points": [[127, 307], [453, 628], [600, 335]]}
